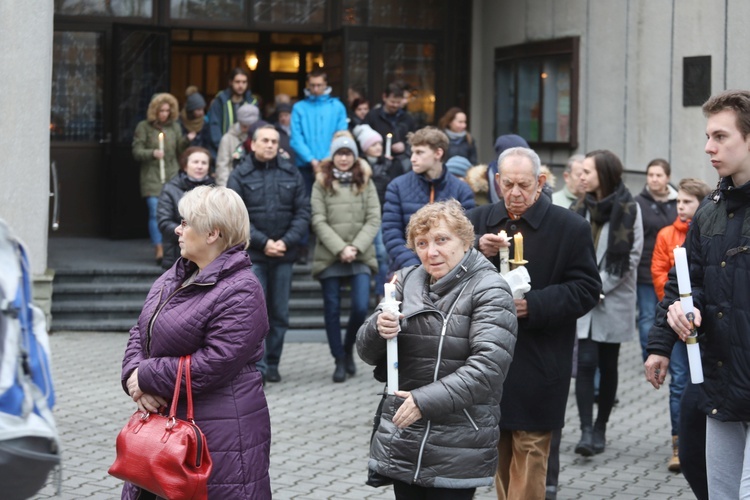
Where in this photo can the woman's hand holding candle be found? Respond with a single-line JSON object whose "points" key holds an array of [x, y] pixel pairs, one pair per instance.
{"points": [[388, 325]]}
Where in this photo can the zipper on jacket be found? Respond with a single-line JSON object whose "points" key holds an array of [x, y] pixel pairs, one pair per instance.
{"points": [[471, 420], [159, 309], [435, 376]]}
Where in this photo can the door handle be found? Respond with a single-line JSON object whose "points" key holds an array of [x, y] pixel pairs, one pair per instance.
{"points": [[55, 194]]}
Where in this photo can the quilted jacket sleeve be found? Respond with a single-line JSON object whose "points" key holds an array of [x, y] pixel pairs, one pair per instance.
{"points": [[660, 263], [142, 148], [394, 230], [237, 325], [301, 214], [492, 339], [320, 225]]}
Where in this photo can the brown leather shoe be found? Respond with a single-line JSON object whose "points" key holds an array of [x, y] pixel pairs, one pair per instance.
{"points": [[674, 460]]}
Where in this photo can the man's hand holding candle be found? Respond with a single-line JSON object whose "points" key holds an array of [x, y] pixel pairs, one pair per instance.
{"points": [[491, 243], [679, 322]]}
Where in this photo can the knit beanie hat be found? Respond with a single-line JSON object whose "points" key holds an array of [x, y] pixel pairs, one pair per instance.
{"points": [[283, 107], [458, 165], [508, 141], [366, 136], [344, 142], [247, 114], [195, 101]]}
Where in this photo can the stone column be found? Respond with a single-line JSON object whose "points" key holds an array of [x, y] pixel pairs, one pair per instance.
{"points": [[26, 78]]}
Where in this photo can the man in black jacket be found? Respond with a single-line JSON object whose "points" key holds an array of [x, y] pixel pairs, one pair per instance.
{"points": [[391, 118], [719, 265], [565, 285], [274, 192]]}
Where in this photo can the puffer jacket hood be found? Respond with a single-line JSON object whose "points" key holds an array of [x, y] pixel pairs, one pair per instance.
{"points": [[455, 349]]}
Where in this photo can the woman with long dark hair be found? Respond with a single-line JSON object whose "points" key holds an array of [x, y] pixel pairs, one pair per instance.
{"points": [[345, 219], [617, 229], [454, 124]]}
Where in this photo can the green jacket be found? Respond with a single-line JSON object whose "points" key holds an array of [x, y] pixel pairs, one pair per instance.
{"points": [[145, 141], [345, 217]]}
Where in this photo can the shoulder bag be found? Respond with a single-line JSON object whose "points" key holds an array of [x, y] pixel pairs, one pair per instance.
{"points": [[163, 454]]}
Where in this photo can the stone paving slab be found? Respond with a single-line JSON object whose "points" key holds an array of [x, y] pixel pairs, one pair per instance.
{"points": [[321, 430]]}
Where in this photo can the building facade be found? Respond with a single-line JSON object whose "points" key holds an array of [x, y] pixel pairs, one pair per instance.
{"points": [[111, 57], [629, 76]]}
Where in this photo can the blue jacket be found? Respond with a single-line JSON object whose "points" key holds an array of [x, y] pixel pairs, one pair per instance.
{"points": [[221, 117], [314, 121], [405, 195]]}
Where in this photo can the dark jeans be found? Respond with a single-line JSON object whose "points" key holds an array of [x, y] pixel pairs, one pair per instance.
{"points": [[360, 295], [646, 301], [592, 354], [405, 491], [276, 280], [553, 461], [679, 378], [693, 442]]}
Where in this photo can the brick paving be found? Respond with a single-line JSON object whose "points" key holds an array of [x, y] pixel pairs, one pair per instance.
{"points": [[321, 430]]}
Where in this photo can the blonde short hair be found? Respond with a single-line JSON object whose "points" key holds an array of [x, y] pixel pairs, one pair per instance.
{"points": [[206, 208], [429, 216]]}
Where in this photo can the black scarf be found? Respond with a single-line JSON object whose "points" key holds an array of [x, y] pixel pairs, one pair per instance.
{"points": [[342, 177], [620, 210]]}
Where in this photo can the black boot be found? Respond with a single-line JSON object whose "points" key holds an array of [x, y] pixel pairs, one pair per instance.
{"points": [[599, 440], [585, 446], [351, 368], [339, 374]]}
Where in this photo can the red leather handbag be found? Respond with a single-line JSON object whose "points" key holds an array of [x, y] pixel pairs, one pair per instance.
{"points": [[163, 454]]}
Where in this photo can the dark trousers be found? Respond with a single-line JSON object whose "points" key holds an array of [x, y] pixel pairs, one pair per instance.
{"points": [[405, 491], [693, 442], [593, 355], [360, 296], [276, 280]]}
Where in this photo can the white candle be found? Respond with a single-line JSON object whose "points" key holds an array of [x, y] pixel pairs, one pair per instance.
{"points": [[504, 254], [162, 173], [686, 300], [390, 305], [388, 140]]}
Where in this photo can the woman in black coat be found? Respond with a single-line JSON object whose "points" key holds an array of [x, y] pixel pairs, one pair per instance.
{"points": [[194, 164]]}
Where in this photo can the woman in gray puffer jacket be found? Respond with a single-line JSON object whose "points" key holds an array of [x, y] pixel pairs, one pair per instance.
{"points": [[457, 335]]}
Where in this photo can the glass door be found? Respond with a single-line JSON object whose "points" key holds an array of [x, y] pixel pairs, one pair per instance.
{"points": [[78, 136]]}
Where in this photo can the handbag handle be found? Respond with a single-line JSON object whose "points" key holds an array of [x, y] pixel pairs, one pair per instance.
{"points": [[184, 362]]}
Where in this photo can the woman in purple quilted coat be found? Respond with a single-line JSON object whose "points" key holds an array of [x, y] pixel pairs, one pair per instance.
{"points": [[210, 305]]}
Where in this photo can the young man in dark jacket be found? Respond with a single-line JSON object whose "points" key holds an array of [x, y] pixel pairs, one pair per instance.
{"points": [[274, 193], [719, 264], [392, 118], [428, 182], [222, 113]]}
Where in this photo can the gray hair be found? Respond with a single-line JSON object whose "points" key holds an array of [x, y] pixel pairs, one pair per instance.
{"points": [[524, 152], [572, 160]]}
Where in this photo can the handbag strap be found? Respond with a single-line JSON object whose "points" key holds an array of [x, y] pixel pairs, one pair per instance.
{"points": [[189, 389], [184, 362], [176, 395]]}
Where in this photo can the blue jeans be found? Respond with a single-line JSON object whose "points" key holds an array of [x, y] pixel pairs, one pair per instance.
{"points": [[646, 300], [679, 373], [360, 296], [153, 226], [276, 280], [382, 256]]}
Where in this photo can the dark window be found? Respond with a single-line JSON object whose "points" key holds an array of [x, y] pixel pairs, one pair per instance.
{"points": [[289, 11], [536, 92], [112, 8], [208, 10], [415, 14]]}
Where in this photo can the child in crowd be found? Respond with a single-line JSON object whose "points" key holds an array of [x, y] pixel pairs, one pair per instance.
{"points": [[689, 196], [345, 219]]}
